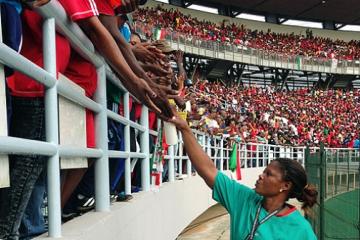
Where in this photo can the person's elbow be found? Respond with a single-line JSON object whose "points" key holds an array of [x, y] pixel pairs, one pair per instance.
{"points": [[209, 175]]}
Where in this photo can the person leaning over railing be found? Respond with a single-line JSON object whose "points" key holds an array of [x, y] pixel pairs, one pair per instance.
{"points": [[27, 121], [262, 213], [12, 37], [104, 34]]}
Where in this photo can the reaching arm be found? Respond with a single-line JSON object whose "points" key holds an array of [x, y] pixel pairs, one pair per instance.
{"points": [[161, 101], [179, 56], [201, 161], [110, 24], [106, 45]]}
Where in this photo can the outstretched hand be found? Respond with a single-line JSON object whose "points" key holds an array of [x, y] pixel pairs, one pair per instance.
{"points": [[147, 53], [128, 6], [144, 93], [180, 123], [161, 100], [156, 69], [179, 56]]}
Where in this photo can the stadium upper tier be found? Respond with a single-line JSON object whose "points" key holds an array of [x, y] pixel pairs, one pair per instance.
{"points": [[287, 43]]}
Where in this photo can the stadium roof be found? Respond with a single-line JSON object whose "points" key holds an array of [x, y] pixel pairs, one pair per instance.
{"points": [[329, 11]]}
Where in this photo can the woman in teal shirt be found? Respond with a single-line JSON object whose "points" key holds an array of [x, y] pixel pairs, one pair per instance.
{"points": [[260, 214]]}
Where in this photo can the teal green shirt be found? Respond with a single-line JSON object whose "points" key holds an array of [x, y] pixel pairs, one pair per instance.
{"points": [[242, 202]]}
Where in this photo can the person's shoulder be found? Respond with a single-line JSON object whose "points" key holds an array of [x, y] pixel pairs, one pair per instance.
{"points": [[223, 180], [303, 228]]}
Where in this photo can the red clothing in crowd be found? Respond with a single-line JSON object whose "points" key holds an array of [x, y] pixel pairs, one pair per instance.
{"points": [[68, 62]]}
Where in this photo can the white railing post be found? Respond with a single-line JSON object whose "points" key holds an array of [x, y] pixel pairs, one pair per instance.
{"points": [[144, 145], [102, 190], [203, 139], [180, 154], [188, 162], [51, 129], [222, 154], [171, 163], [246, 155], [4, 161], [127, 145]]}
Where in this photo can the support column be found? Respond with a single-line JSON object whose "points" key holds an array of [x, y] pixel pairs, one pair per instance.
{"points": [[144, 145], [102, 191], [52, 130]]}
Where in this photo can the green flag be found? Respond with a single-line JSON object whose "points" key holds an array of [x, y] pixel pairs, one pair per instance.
{"points": [[233, 158]]}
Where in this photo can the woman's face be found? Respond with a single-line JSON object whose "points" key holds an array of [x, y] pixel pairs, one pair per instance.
{"points": [[271, 181]]}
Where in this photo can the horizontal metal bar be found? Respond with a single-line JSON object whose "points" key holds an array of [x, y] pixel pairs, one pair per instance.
{"points": [[116, 117], [13, 145], [153, 133], [167, 157], [68, 151], [121, 154], [18, 62], [67, 91]]}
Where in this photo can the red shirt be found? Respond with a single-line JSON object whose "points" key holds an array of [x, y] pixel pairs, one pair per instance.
{"points": [[82, 9], [68, 62]]}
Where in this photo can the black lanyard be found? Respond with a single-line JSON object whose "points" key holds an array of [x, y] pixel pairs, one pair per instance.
{"points": [[256, 223]]}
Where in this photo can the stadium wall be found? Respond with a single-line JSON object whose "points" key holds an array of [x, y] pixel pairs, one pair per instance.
{"points": [[158, 214], [344, 35]]}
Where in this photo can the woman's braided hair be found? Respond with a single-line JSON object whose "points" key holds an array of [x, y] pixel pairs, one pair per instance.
{"points": [[301, 189]]}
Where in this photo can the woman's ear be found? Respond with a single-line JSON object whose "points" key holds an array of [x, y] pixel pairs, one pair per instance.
{"points": [[286, 186]]}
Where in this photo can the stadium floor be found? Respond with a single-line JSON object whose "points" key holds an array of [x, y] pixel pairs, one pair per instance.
{"points": [[341, 216], [214, 224]]}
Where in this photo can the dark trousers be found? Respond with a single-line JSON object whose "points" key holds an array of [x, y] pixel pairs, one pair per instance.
{"points": [[27, 122]]}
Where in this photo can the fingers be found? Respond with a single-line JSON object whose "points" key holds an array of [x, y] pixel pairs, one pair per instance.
{"points": [[169, 91], [152, 105], [180, 102], [163, 104]]}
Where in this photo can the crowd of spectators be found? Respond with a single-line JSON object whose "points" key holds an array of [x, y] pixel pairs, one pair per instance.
{"points": [[262, 115], [154, 74], [288, 44]]}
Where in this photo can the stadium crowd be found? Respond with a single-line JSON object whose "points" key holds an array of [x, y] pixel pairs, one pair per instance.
{"points": [[153, 73], [239, 35], [298, 118]]}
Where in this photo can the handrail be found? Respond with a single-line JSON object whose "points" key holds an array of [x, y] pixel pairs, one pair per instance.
{"points": [[78, 40]]}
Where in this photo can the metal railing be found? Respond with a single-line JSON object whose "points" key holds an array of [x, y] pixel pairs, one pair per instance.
{"points": [[55, 19], [244, 54], [218, 148]]}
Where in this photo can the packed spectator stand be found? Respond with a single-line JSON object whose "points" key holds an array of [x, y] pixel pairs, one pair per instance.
{"points": [[296, 118], [285, 44], [299, 118]]}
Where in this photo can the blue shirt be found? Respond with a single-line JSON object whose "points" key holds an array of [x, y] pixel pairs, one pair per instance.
{"points": [[357, 143], [125, 31], [16, 4]]}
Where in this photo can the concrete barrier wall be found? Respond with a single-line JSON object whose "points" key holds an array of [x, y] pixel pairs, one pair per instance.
{"points": [[154, 215]]}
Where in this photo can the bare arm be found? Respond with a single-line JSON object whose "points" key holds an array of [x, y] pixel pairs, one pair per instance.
{"points": [[161, 101], [110, 24], [201, 161], [182, 73], [106, 45]]}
